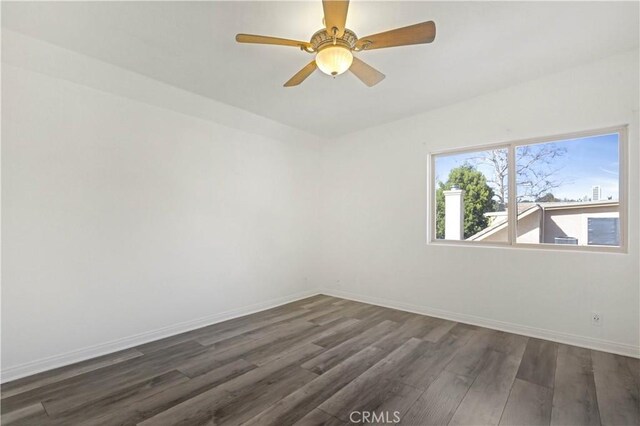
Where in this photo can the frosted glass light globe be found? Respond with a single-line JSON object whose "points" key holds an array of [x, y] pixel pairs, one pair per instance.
{"points": [[334, 60]]}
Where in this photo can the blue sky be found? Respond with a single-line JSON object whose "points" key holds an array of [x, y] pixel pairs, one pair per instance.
{"points": [[588, 161]]}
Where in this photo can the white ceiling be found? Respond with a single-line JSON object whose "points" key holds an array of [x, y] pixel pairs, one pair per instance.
{"points": [[479, 47]]}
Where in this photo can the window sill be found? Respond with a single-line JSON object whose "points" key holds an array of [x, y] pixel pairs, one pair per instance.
{"points": [[539, 247]]}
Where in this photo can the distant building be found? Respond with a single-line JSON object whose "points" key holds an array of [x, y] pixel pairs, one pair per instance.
{"points": [[596, 193]]}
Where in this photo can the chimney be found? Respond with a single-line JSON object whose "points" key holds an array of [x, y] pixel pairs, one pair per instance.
{"points": [[454, 214]]}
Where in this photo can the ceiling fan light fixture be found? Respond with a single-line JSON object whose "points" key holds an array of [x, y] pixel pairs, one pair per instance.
{"points": [[334, 60]]}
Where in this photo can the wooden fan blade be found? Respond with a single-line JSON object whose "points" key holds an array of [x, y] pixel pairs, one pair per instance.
{"points": [[251, 38], [335, 15], [366, 73], [424, 32], [302, 74]]}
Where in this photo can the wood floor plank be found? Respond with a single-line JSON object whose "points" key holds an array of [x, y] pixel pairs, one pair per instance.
{"points": [[510, 344], [261, 395], [157, 345], [320, 302], [397, 315], [346, 334], [616, 389], [528, 404], [574, 399], [213, 358], [33, 414], [319, 316], [271, 330], [302, 401], [92, 403], [539, 362], [334, 356], [367, 312], [270, 352], [435, 357], [440, 330], [417, 326], [310, 299], [214, 337], [371, 389], [229, 328], [104, 380], [439, 402], [484, 402], [39, 380], [471, 358], [345, 311], [202, 407], [318, 417], [634, 368], [162, 401], [395, 405], [379, 313]]}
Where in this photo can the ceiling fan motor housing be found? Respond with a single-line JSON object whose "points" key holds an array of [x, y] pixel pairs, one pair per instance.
{"points": [[322, 39]]}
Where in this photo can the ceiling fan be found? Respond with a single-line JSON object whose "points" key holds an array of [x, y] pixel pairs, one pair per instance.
{"points": [[335, 44]]}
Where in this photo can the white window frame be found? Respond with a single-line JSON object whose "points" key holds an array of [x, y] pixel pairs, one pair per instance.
{"points": [[623, 190]]}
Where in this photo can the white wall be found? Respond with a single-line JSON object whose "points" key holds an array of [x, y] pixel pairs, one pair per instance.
{"points": [[130, 212], [374, 216]]}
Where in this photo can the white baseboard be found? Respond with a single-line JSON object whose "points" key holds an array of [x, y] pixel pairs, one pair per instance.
{"points": [[555, 336], [49, 363]]}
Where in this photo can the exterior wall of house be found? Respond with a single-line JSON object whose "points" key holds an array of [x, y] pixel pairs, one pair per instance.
{"points": [[529, 228], [573, 222], [528, 231]]}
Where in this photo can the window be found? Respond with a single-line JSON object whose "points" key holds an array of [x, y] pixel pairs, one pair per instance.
{"points": [[567, 184], [604, 231], [471, 190], [568, 193]]}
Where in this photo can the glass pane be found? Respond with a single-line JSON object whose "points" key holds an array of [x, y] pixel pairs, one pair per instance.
{"points": [[568, 192], [471, 192]]}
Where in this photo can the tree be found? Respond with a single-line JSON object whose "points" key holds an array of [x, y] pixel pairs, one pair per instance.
{"points": [[478, 199], [536, 167], [547, 198]]}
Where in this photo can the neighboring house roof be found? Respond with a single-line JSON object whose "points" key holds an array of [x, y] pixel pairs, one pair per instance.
{"points": [[525, 209], [577, 204]]}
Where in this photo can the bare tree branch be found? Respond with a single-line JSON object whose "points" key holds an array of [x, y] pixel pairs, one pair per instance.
{"points": [[535, 170]]}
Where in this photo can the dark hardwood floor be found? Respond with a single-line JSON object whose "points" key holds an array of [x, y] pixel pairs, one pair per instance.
{"points": [[318, 360]]}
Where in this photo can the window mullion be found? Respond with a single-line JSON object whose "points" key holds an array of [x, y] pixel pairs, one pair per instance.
{"points": [[512, 202]]}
